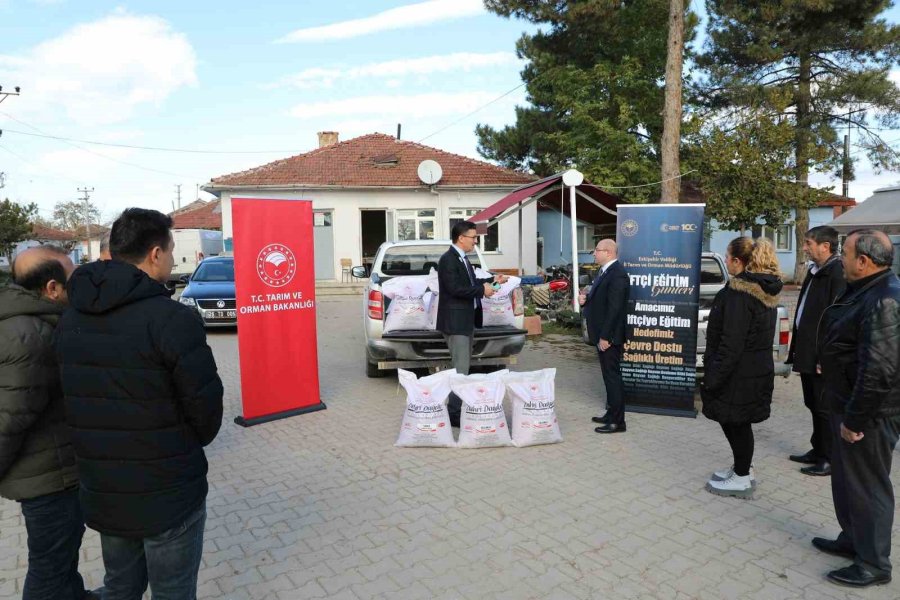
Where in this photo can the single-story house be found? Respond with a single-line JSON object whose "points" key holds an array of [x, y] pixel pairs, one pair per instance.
{"points": [[782, 237], [367, 190], [41, 235], [198, 215], [89, 238]]}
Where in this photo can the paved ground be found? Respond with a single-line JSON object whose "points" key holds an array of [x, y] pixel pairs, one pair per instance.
{"points": [[323, 505]]}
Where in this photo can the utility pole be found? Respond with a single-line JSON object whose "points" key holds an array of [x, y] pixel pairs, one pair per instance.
{"points": [[87, 218], [671, 138], [4, 95], [178, 193]]}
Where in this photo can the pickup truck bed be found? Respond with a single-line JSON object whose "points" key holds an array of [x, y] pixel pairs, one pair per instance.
{"points": [[493, 346]]}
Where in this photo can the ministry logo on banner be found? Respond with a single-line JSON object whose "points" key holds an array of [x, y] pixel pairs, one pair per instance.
{"points": [[276, 265]]}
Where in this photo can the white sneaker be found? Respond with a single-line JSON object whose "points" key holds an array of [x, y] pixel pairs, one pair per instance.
{"points": [[726, 473], [737, 486]]}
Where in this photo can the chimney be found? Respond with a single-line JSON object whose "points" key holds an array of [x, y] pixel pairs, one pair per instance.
{"points": [[327, 138]]}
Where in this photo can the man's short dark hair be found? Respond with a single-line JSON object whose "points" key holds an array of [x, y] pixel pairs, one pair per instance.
{"points": [[823, 234], [136, 232], [41, 273], [461, 228], [104, 242], [874, 244]]}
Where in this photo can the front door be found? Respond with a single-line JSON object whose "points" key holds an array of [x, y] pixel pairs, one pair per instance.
{"points": [[323, 238], [373, 233]]}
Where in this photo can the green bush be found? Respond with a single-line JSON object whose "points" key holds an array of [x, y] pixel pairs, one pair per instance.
{"points": [[569, 318]]}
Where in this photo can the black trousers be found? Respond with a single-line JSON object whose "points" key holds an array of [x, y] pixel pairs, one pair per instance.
{"points": [[740, 438], [862, 491], [812, 398], [612, 379]]}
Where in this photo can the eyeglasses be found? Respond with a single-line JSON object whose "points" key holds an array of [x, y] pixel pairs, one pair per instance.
{"points": [[471, 237], [600, 250]]}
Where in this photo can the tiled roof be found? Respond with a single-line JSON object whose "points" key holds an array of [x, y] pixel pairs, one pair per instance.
{"points": [[40, 232], [206, 216], [376, 160], [837, 200], [188, 207]]}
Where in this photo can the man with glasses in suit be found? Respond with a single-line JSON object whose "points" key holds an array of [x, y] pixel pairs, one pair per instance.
{"points": [[459, 307]]}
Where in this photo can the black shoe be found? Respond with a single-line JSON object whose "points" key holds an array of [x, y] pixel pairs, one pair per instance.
{"points": [[857, 576], [833, 547], [604, 420], [610, 428], [821, 469], [809, 458]]}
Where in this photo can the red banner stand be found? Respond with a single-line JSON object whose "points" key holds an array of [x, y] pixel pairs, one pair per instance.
{"points": [[275, 288]]}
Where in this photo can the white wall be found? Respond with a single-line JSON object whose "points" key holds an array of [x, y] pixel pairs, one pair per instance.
{"points": [[346, 204]]}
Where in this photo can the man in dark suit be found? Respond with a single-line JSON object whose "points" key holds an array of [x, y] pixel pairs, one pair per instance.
{"points": [[823, 283], [605, 311], [459, 304]]}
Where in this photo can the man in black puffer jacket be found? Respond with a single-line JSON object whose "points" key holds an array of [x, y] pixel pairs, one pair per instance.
{"points": [[143, 397], [37, 463], [859, 351]]}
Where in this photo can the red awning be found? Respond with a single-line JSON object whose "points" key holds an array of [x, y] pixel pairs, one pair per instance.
{"points": [[588, 207], [511, 199]]}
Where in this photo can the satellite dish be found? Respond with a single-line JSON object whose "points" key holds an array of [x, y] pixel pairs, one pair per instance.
{"points": [[430, 172]]}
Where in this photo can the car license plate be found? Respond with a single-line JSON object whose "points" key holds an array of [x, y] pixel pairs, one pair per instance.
{"points": [[221, 314]]}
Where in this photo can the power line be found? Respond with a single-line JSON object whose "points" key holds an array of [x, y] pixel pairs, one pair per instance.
{"points": [[629, 187], [135, 147], [89, 151], [463, 118], [28, 162]]}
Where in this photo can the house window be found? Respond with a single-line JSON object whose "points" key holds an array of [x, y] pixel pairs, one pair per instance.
{"points": [[585, 238], [779, 236], [415, 224], [489, 242]]}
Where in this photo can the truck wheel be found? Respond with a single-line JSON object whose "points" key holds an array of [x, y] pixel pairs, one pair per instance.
{"points": [[373, 371]]}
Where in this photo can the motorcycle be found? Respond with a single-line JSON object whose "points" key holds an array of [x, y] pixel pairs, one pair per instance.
{"points": [[555, 295]]}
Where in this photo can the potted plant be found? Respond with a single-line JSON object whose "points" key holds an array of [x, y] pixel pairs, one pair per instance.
{"points": [[532, 320]]}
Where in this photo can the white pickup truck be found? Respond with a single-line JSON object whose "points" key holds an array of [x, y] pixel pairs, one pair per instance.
{"points": [[713, 277], [494, 346]]}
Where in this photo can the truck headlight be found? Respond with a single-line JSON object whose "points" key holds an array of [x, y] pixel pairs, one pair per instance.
{"points": [[187, 301]]}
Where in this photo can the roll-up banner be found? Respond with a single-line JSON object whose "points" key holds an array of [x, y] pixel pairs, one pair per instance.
{"points": [[660, 247], [276, 308]]}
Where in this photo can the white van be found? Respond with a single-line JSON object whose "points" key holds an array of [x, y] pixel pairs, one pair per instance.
{"points": [[191, 247]]}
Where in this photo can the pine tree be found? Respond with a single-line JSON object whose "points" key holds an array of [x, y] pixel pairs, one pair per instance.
{"points": [[831, 60], [594, 79]]}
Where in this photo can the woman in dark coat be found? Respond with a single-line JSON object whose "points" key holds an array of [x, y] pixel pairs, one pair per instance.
{"points": [[740, 370]]}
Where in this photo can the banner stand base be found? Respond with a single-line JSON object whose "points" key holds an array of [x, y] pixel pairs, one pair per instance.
{"points": [[275, 416], [668, 412]]}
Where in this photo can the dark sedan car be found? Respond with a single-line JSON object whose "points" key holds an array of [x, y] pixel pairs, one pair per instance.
{"points": [[211, 291]]}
